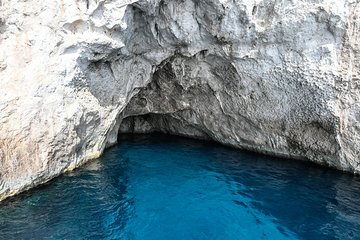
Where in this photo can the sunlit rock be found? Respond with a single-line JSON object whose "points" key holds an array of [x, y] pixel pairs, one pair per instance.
{"points": [[278, 77]]}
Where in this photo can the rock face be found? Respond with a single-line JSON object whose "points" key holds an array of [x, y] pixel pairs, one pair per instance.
{"points": [[279, 77]]}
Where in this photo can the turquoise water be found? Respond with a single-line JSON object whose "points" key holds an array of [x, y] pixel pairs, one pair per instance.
{"points": [[164, 187]]}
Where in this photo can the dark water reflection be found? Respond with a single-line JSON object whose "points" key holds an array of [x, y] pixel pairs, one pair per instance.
{"points": [[163, 187]]}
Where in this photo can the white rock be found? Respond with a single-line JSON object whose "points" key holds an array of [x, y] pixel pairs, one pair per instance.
{"points": [[279, 77]]}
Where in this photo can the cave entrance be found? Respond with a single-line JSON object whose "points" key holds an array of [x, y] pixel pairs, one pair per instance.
{"points": [[160, 123]]}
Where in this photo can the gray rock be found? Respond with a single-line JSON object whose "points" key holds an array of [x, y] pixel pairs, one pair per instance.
{"points": [[277, 77]]}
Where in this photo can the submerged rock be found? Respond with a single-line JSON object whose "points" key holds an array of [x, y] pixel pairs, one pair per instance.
{"points": [[279, 77]]}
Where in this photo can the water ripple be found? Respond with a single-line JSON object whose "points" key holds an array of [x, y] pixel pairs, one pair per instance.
{"points": [[162, 187]]}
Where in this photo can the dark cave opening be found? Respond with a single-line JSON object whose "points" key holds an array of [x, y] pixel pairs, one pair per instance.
{"points": [[160, 123]]}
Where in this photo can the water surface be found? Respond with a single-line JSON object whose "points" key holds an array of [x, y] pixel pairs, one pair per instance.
{"points": [[165, 187]]}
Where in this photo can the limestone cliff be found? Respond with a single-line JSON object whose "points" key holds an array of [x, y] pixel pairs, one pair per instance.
{"points": [[275, 76]]}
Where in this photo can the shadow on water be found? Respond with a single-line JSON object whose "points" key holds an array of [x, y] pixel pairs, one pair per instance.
{"points": [[312, 201], [90, 202], [160, 187]]}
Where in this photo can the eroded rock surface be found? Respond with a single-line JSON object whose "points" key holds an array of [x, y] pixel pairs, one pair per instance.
{"points": [[279, 77]]}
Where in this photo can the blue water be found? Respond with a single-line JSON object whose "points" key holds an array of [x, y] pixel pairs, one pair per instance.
{"points": [[164, 187]]}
